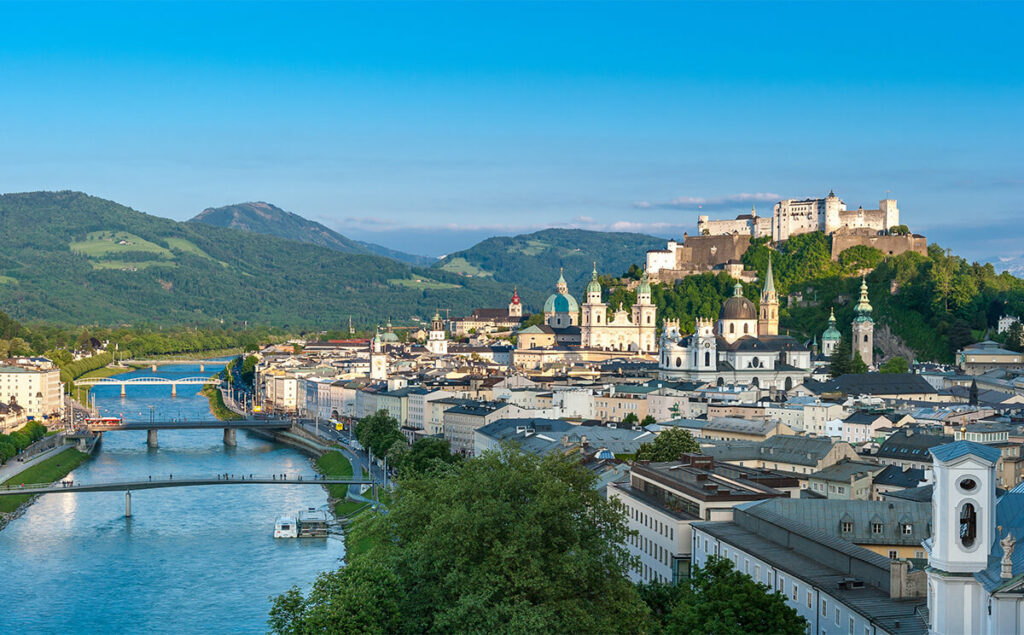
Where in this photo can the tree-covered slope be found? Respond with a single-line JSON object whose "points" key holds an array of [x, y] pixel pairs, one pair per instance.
{"points": [[533, 260], [264, 218], [70, 257]]}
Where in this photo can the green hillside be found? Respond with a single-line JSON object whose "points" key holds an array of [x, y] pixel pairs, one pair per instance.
{"points": [[264, 218], [532, 260], [73, 258]]}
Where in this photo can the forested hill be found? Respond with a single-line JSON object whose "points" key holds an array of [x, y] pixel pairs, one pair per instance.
{"points": [[264, 218], [533, 260], [73, 258], [934, 304]]}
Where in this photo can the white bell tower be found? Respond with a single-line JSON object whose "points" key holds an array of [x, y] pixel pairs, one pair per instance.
{"points": [[963, 529]]}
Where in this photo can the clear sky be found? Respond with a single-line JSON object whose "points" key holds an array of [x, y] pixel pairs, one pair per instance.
{"points": [[426, 127]]}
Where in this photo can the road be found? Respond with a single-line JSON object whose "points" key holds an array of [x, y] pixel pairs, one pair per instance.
{"points": [[359, 459]]}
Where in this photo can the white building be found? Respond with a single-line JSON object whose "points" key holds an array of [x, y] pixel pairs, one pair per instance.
{"points": [[975, 574], [37, 389], [1006, 322]]}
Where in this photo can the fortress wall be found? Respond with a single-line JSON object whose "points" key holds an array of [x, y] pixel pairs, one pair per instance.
{"points": [[888, 245]]}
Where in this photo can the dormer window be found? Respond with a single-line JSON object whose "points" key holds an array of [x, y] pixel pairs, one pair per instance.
{"points": [[876, 528], [847, 526], [907, 529]]}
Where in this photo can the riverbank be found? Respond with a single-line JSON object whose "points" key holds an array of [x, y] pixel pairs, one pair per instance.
{"points": [[49, 471], [335, 465], [217, 405]]}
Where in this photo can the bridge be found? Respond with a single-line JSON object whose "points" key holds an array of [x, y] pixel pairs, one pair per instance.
{"points": [[187, 481], [229, 427], [153, 363], [148, 381]]}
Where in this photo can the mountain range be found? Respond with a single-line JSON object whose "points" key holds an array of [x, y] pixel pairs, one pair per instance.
{"points": [[270, 220], [73, 258]]}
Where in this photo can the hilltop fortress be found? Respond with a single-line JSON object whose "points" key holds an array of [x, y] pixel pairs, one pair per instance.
{"points": [[722, 243]]}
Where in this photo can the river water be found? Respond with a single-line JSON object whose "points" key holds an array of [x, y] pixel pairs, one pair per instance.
{"points": [[190, 560]]}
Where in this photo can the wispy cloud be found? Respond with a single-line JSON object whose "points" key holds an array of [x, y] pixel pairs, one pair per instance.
{"points": [[728, 202], [578, 222]]}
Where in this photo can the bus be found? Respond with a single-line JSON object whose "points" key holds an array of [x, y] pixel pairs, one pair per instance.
{"points": [[104, 421]]}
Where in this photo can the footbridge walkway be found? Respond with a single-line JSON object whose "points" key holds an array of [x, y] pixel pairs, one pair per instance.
{"points": [[151, 427], [70, 487]]}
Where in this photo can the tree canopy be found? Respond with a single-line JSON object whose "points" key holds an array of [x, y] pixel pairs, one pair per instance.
{"points": [[895, 365], [378, 432], [668, 445], [506, 542]]}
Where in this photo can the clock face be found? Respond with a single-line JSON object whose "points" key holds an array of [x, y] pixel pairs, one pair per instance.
{"points": [[707, 344]]}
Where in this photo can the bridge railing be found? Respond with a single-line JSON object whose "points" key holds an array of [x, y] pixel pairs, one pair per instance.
{"points": [[170, 478]]}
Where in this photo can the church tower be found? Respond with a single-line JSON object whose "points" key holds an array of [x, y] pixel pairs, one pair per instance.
{"points": [[437, 342], [963, 531], [830, 338], [703, 346], [645, 316], [378, 358], [863, 327], [515, 306], [594, 312], [768, 321]]}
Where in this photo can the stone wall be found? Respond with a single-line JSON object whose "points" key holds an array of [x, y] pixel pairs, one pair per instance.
{"points": [[888, 245], [703, 253]]}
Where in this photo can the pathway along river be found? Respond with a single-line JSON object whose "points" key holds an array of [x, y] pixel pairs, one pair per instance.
{"points": [[190, 560]]}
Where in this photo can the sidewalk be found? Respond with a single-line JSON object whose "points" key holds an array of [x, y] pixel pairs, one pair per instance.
{"points": [[15, 467]]}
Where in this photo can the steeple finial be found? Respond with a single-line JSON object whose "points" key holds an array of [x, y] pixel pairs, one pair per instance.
{"points": [[737, 289], [769, 279]]}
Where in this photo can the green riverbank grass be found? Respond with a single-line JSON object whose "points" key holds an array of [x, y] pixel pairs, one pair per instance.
{"points": [[50, 470]]}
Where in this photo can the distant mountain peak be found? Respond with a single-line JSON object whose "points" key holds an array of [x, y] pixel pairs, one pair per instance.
{"points": [[265, 218]]}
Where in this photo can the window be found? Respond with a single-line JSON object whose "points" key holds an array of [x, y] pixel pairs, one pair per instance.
{"points": [[837, 616], [795, 591], [851, 626], [824, 608], [809, 598], [847, 526], [757, 572], [893, 555], [876, 528], [782, 583], [968, 525], [907, 529]]}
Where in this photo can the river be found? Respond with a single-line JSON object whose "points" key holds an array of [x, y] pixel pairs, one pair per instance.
{"points": [[190, 560]]}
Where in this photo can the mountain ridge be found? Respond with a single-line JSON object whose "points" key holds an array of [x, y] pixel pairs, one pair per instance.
{"points": [[268, 219]]}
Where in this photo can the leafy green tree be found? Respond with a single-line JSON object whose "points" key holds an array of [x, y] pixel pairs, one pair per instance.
{"points": [[857, 365], [506, 542], [631, 419], [839, 362], [895, 365], [668, 445], [1015, 337], [858, 257], [649, 419], [427, 454], [899, 230], [378, 432], [719, 599]]}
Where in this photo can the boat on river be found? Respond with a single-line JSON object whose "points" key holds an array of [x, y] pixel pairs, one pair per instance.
{"points": [[286, 527]]}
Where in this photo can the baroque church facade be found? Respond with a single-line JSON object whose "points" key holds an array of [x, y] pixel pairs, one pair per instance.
{"points": [[635, 332], [742, 347]]}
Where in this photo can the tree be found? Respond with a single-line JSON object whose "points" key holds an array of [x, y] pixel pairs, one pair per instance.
{"points": [[896, 365], [719, 599], [378, 432], [506, 542], [669, 445], [899, 230], [1015, 337], [839, 362], [428, 453], [649, 419], [631, 419], [857, 365]]}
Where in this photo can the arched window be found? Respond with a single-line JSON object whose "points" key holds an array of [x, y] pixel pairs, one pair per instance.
{"points": [[707, 358], [732, 328], [789, 383], [755, 383], [865, 337], [968, 525], [720, 382], [679, 362], [746, 328]]}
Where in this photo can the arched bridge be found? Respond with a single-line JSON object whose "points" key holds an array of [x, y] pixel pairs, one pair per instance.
{"points": [[148, 381], [154, 363], [186, 481]]}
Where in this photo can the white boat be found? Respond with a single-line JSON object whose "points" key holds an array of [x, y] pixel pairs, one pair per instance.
{"points": [[286, 527]]}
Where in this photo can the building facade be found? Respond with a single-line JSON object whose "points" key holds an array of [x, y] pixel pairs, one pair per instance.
{"points": [[623, 332]]}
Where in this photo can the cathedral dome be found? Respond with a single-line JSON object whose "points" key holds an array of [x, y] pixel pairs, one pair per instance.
{"points": [[737, 307], [561, 303]]}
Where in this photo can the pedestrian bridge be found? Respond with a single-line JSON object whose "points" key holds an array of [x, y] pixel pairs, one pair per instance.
{"points": [[128, 487], [148, 381], [151, 427], [154, 363]]}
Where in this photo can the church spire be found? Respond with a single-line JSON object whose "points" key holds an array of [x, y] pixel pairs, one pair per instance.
{"points": [[769, 282], [768, 320], [863, 308]]}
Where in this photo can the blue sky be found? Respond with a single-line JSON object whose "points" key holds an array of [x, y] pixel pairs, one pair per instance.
{"points": [[426, 127]]}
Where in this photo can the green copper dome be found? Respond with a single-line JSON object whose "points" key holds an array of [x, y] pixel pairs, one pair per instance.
{"points": [[560, 301], [863, 308], [645, 285], [593, 286], [831, 333]]}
